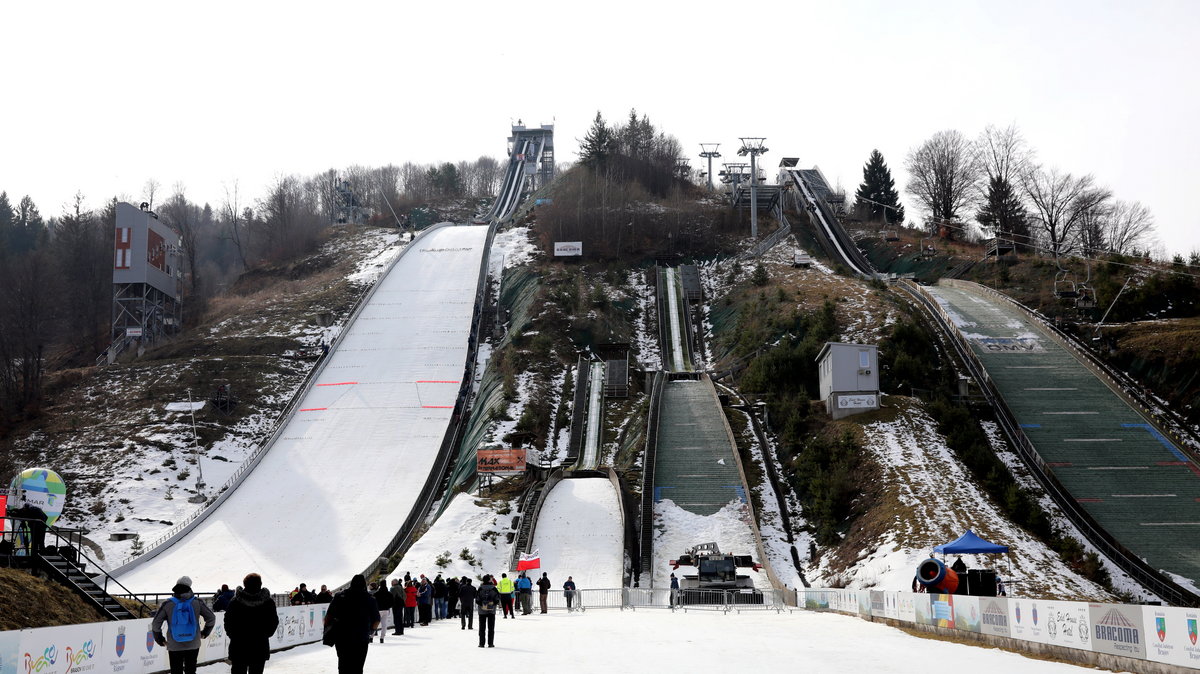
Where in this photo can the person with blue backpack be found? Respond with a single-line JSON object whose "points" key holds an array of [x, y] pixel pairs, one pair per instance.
{"points": [[181, 614]]}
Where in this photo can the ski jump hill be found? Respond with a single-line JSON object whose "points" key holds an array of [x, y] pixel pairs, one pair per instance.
{"points": [[351, 462]]}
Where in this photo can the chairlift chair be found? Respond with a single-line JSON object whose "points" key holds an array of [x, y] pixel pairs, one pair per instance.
{"points": [[891, 235], [1064, 285], [1086, 297]]}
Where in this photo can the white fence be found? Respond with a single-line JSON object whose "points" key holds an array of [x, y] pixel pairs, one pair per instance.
{"points": [[1156, 633], [127, 646]]}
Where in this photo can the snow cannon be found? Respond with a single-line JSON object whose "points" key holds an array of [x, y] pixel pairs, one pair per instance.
{"points": [[937, 577]]}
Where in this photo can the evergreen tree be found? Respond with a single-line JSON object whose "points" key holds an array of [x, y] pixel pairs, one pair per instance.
{"points": [[29, 230], [7, 218], [877, 185], [1004, 214], [599, 145]]}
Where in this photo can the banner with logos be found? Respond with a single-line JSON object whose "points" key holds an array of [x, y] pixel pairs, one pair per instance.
{"points": [[568, 248], [1118, 629], [993, 616], [127, 646], [1171, 635]]}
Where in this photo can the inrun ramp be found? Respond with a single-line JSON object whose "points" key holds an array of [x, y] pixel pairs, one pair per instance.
{"points": [[331, 493], [579, 533], [1133, 480], [695, 464]]}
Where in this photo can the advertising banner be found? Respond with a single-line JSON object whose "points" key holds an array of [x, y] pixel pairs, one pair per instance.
{"points": [[878, 603], [967, 615], [1067, 624], [941, 612], [129, 647], [10, 645], [816, 600], [68, 649], [1171, 635], [857, 401], [994, 616], [216, 646], [923, 609], [501, 460], [568, 248], [908, 605], [891, 606], [1118, 629], [1026, 620]]}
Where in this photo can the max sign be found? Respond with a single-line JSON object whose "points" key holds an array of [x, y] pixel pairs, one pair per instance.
{"points": [[500, 460]]}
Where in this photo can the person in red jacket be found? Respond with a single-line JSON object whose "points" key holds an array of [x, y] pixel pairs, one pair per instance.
{"points": [[410, 604]]}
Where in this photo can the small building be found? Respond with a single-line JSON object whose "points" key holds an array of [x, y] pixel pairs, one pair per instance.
{"points": [[849, 378]]}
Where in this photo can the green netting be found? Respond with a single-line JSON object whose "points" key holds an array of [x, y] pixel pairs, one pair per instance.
{"points": [[695, 465], [1129, 477], [517, 294]]}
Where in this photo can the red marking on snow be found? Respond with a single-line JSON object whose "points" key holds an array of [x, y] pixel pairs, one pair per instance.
{"points": [[1089, 500], [1060, 464], [437, 381], [340, 383], [438, 407], [1171, 463], [312, 409]]}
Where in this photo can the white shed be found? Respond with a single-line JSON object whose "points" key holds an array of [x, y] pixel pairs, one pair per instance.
{"points": [[849, 378]]}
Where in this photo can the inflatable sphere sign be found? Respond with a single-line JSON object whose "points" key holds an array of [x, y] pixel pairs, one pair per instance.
{"points": [[41, 487]]}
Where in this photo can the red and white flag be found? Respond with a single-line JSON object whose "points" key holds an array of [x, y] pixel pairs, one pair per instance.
{"points": [[531, 560]]}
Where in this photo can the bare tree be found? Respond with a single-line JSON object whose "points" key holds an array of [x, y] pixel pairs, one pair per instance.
{"points": [[234, 223], [944, 175], [1061, 202], [1003, 153], [182, 217], [150, 189], [1128, 226]]}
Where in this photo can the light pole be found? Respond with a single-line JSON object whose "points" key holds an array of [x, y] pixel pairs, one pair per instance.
{"points": [[753, 147], [199, 497], [708, 154]]}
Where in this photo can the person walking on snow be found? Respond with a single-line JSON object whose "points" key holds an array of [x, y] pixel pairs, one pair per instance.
{"points": [[250, 620], [466, 600], [425, 601], [487, 599], [543, 590], [452, 597], [353, 615], [569, 592], [383, 601], [525, 593], [182, 647], [506, 589], [439, 598], [674, 590], [410, 603]]}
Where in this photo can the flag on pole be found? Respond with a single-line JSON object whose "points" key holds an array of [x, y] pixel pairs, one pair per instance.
{"points": [[529, 560]]}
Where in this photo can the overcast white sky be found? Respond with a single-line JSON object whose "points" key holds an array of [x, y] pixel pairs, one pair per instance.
{"points": [[101, 96]]}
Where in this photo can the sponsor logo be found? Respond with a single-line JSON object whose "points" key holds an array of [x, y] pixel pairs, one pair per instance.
{"points": [[1116, 628], [1191, 623], [994, 617], [75, 658], [1160, 627], [1034, 612], [1017, 612], [149, 642], [120, 641], [41, 662]]}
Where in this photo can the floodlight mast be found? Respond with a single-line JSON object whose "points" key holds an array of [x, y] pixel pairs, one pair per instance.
{"points": [[753, 147], [709, 154]]}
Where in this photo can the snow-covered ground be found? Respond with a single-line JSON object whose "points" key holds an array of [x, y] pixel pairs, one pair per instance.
{"points": [[936, 500], [466, 540], [579, 534], [601, 641], [351, 462]]}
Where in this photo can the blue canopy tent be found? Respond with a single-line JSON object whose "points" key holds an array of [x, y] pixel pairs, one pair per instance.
{"points": [[969, 544]]}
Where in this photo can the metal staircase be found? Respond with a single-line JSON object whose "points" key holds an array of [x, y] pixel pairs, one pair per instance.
{"points": [[63, 570]]}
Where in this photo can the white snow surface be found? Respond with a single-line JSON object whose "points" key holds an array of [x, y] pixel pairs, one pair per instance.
{"points": [[313, 509], [677, 530], [579, 533], [470, 524], [605, 641]]}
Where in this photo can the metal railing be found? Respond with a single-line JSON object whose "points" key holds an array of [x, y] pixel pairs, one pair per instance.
{"points": [[1118, 554], [645, 543], [769, 242]]}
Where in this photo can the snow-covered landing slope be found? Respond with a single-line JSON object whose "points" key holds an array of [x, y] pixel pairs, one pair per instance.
{"points": [[350, 464], [579, 534]]}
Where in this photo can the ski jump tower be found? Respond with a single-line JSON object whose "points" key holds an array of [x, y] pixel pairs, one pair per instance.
{"points": [[535, 148], [147, 281]]}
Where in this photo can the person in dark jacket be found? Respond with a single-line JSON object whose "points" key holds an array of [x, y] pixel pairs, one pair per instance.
{"points": [[182, 654], [525, 593], [439, 598], [250, 620], [353, 615], [222, 598], [466, 602], [543, 590], [383, 599], [452, 597], [397, 591], [488, 600], [324, 596], [425, 601], [569, 592]]}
